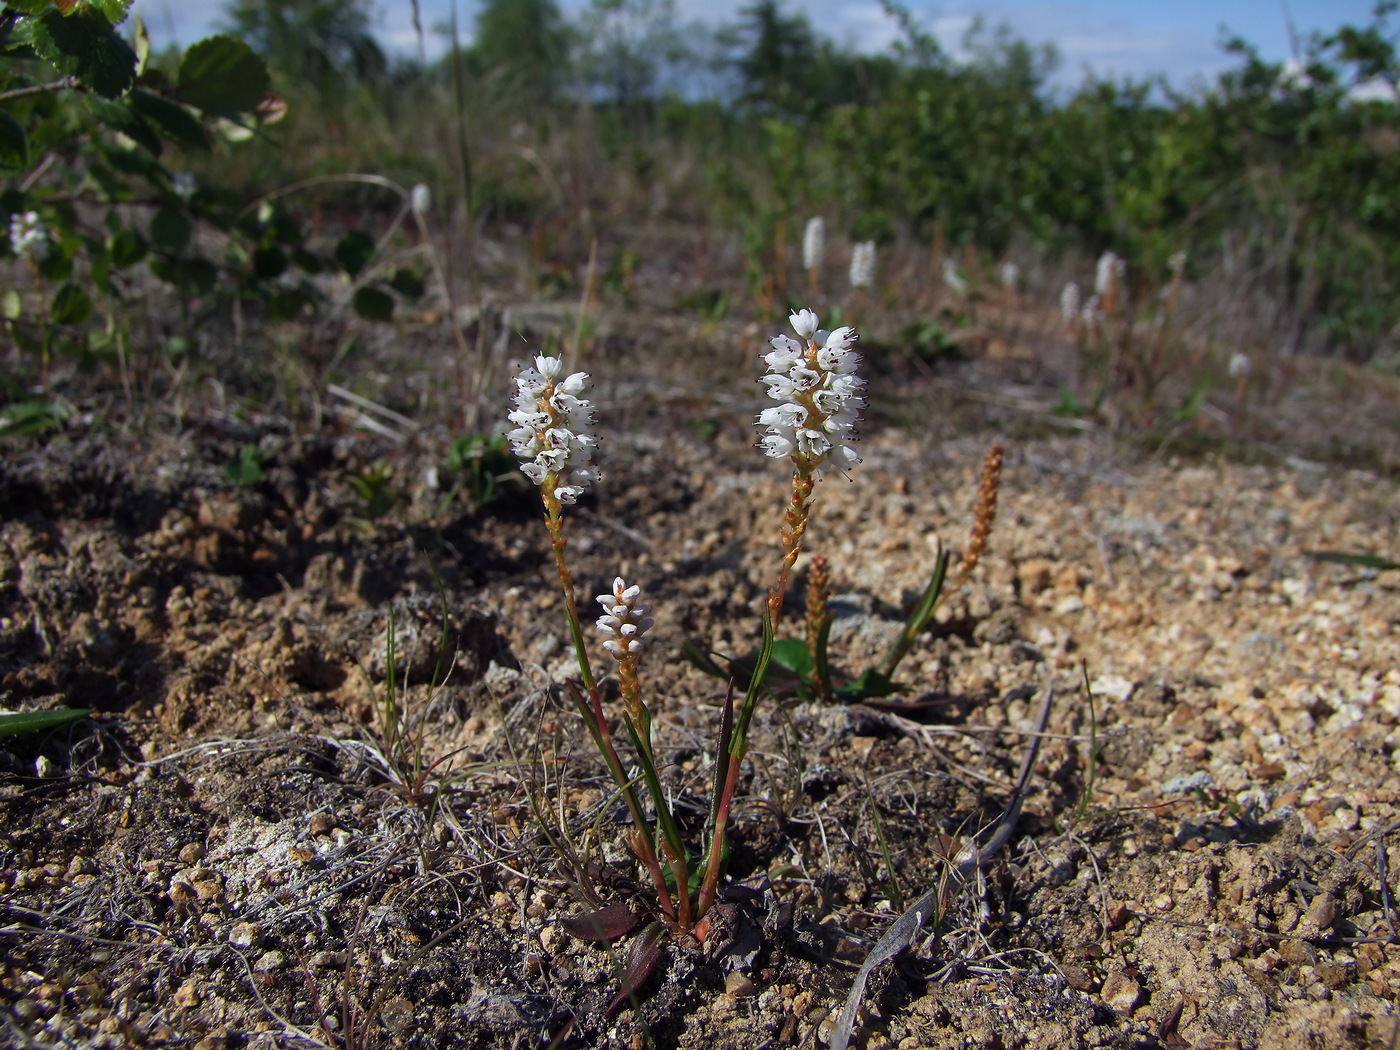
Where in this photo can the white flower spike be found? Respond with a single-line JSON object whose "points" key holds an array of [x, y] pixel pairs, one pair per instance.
{"points": [[28, 235], [552, 429], [819, 396], [862, 264], [623, 620], [813, 243]]}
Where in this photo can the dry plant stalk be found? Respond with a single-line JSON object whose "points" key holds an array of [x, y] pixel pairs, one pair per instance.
{"points": [[818, 594], [985, 514]]}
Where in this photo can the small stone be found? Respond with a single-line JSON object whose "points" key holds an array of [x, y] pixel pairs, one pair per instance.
{"points": [[321, 823], [208, 889], [397, 1013], [187, 995], [1121, 992], [81, 865], [739, 985], [328, 960], [245, 935], [269, 961], [1322, 913], [192, 852]]}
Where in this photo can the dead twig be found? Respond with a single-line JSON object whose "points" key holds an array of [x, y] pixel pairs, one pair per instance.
{"points": [[970, 858]]}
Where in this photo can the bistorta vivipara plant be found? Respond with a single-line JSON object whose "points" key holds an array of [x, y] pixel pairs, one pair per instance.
{"points": [[818, 393]]}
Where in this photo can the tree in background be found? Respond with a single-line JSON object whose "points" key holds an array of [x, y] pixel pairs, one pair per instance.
{"points": [[323, 43], [525, 46], [630, 50]]}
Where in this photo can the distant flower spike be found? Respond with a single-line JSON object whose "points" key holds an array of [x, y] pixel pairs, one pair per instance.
{"points": [[863, 264], [813, 243]]}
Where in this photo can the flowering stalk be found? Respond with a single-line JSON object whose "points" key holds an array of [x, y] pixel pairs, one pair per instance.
{"points": [[552, 437], [818, 392], [624, 622], [819, 399]]}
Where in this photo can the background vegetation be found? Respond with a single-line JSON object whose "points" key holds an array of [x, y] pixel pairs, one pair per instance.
{"points": [[585, 135]]}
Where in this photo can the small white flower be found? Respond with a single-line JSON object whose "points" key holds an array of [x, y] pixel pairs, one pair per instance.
{"points": [[1069, 302], [863, 264], [1110, 269], [623, 620], [953, 279], [28, 235], [183, 185], [1177, 264], [421, 199], [1010, 276], [1240, 365], [552, 429], [818, 395], [813, 243], [1092, 314]]}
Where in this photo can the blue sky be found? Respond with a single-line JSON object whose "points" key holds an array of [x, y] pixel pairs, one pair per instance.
{"points": [[1128, 37]]}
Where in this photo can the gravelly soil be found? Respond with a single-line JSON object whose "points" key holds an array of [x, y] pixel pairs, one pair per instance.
{"points": [[232, 854]]}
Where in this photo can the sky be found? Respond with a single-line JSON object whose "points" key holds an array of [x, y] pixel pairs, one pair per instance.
{"points": [[1108, 38]]}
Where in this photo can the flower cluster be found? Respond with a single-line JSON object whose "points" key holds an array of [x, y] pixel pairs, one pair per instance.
{"points": [[28, 236], [813, 243], [1069, 302], [862, 264], [815, 382], [552, 423], [623, 620]]}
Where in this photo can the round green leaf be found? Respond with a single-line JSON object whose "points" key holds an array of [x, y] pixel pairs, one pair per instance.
{"points": [[222, 75], [71, 305], [170, 230], [14, 144], [84, 44], [127, 247], [407, 283], [269, 262], [354, 251], [374, 304]]}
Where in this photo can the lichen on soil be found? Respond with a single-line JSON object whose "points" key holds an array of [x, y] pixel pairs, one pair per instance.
{"points": [[232, 853]]}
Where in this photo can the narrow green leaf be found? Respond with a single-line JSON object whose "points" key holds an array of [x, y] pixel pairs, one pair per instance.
{"points": [[30, 417], [13, 723], [173, 119], [122, 119], [222, 75], [374, 304], [1365, 561], [868, 686]]}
